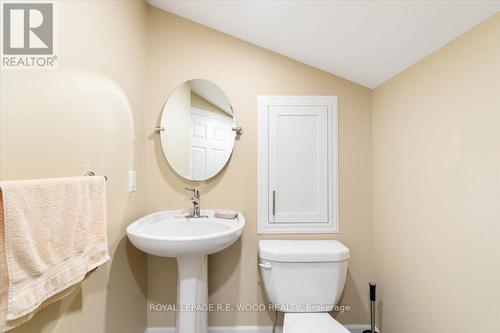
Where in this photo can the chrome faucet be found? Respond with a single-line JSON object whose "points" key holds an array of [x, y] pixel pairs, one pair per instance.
{"points": [[196, 204]]}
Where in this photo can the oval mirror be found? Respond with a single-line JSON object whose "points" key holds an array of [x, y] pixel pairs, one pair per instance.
{"points": [[197, 135]]}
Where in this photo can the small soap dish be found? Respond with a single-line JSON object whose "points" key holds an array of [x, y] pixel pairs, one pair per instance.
{"points": [[226, 213]]}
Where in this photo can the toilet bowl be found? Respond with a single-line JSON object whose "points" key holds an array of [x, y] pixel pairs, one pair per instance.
{"points": [[304, 279]]}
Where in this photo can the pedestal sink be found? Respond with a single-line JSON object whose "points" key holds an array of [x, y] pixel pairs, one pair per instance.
{"points": [[190, 240]]}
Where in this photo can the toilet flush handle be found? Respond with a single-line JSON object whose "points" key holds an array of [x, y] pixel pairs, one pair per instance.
{"points": [[266, 265]]}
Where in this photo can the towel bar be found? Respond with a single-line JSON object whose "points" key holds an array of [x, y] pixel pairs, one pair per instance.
{"points": [[88, 173], [92, 173]]}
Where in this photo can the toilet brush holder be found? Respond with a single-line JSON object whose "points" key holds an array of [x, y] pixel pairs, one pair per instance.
{"points": [[373, 295]]}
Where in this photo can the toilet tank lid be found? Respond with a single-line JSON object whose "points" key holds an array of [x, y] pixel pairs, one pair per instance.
{"points": [[303, 250]]}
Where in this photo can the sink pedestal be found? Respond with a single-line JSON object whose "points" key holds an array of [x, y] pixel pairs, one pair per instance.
{"points": [[192, 295]]}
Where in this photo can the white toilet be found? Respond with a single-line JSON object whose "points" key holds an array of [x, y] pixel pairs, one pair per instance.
{"points": [[304, 279]]}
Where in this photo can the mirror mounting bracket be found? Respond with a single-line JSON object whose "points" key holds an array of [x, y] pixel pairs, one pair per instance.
{"points": [[238, 130], [158, 130]]}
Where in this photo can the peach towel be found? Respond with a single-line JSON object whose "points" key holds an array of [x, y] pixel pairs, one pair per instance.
{"points": [[52, 233]]}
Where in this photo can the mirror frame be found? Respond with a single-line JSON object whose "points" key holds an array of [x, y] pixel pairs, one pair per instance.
{"points": [[237, 131]]}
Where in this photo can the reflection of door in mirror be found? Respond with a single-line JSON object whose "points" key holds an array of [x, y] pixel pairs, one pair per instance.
{"points": [[211, 142]]}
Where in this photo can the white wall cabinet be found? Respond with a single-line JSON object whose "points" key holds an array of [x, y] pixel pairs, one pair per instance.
{"points": [[297, 164]]}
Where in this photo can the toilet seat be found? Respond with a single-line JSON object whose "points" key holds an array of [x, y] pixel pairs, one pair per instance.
{"points": [[312, 322]]}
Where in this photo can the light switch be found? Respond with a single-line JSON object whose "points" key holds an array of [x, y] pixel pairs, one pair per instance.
{"points": [[132, 181]]}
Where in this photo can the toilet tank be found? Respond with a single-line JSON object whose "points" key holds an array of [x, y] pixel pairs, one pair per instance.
{"points": [[303, 275]]}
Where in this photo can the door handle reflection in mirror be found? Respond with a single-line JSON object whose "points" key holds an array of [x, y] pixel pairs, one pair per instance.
{"points": [[274, 202]]}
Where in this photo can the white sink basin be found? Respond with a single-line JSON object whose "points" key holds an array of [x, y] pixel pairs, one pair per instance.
{"points": [[170, 234], [190, 240]]}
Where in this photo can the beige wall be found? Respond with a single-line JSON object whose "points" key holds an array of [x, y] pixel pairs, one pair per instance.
{"points": [[436, 181], [88, 112], [181, 50]]}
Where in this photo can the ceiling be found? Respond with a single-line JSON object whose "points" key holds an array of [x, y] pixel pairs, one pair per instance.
{"points": [[366, 42]]}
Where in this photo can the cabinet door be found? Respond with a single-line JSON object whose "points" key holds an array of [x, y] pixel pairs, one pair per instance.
{"points": [[298, 164], [297, 168]]}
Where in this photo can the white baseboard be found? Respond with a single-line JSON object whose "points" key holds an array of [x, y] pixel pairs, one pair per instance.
{"points": [[218, 329], [246, 329]]}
